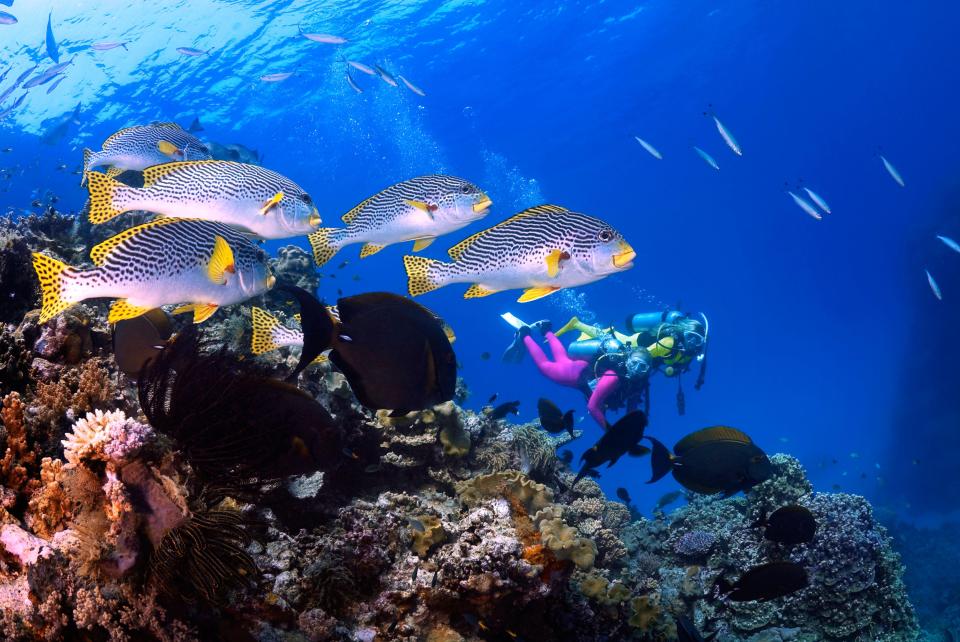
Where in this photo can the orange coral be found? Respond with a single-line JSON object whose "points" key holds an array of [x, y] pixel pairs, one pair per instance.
{"points": [[49, 506], [18, 459]]}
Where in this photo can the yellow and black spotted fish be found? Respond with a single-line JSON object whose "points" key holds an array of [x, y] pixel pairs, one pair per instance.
{"points": [[250, 197], [141, 146], [419, 209], [542, 250], [201, 264]]}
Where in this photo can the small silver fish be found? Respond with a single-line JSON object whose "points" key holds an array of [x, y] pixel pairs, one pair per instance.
{"points": [[933, 286], [707, 158], [324, 38], [56, 83], [816, 198], [805, 205], [353, 84], [894, 174], [385, 76], [191, 51], [7, 19], [650, 148], [359, 66], [412, 87], [278, 77], [949, 242], [727, 137], [108, 45]]}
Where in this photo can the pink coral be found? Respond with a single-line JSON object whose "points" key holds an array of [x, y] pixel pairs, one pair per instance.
{"points": [[106, 436]]}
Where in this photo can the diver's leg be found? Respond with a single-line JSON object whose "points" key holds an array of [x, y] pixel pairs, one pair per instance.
{"points": [[563, 370], [606, 384]]}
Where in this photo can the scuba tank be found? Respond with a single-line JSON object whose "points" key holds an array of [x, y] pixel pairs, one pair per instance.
{"points": [[644, 322]]}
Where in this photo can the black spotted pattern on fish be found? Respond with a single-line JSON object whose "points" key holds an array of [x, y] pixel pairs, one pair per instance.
{"points": [[214, 181], [386, 205]]}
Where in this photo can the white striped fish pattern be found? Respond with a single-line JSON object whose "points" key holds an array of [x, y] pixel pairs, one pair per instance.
{"points": [[139, 147]]}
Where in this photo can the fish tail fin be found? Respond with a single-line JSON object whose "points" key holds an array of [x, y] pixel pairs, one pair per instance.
{"points": [[423, 274], [87, 159], [265, 326], [54, 278], [661, 461], [325, 243], [108, 198]]}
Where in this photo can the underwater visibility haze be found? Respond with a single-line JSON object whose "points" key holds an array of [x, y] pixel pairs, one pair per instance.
{"points": [[479, 320]]}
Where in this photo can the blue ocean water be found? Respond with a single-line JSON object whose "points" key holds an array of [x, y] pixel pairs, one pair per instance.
{"points": [[826, 341]]}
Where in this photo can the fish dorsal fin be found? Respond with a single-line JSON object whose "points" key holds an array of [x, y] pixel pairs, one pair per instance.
{"points": [[155, 172], [707, 435], [167, 125], [352, 214], [100, 251], [117, 134], [457, 250]]}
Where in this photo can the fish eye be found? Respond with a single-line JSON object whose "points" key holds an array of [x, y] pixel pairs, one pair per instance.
{"points": [[306, 199], [466, 189], [606, 236]]}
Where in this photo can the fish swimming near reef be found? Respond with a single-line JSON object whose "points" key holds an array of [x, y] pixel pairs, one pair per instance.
{"points": [[502, 410], [140, 339], [667, 499], [789, 525], [270, 334], [623, 495], [195, 126], [765, 582], [623, 438], [235, 152], [202, 264], [60, 126], [542, 250], [718, 459], [47, 75], [250, 197], [142, 146], [418, 209], [394, 353], [554, 420]]}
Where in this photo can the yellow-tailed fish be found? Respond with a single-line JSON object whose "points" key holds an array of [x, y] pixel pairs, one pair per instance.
{"points": [[419, 209], [816, 198], [250, 197], [269, 334], [805, 205], [650, 148], [894, 174], [541, 250], [168, 261], [141, 146]]}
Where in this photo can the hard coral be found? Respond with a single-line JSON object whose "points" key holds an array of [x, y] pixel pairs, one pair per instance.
{"points": [[511, 484], [431, 534], [111, 437]]}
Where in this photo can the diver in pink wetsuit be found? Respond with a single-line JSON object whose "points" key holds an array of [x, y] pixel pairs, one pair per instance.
{"points": [[610, 368]]}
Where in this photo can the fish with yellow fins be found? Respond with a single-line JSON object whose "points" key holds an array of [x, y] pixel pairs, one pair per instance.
{"points": [[249, 197], [419, 209], [540, 250], [197, 263], [141, 146]]}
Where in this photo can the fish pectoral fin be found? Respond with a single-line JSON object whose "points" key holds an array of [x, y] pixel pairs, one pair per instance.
{"points": [[420, 205], [532, 294], [201, 311], [553, 262], [169, 149], [476, 291], [271, 202], [122, 309], [221, 262], [422, 244], [370, 249]]}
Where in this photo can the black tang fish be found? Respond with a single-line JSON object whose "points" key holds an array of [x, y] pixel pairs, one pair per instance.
{"points": [[713, 460], [137, 340], [791, 524], [765, 582], [393, 352], [554, 420], [622, 439], [504, 409]]}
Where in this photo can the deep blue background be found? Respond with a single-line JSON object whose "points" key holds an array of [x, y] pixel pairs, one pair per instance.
{"points": [[826, 340]]}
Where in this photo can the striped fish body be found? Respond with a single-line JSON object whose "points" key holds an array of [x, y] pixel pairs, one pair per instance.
{"points": [[249, 197], [139, 147], [419, 209], [542, 249], [163, 262]]}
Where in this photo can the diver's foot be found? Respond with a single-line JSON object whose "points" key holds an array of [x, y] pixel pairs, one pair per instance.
{"points": [[543, 326]]}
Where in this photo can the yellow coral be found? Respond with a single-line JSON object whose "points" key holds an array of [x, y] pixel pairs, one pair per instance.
{"points": [[511, 484], [563, 541], [432, 533], [645, 611], [617, 592], [455, 440], [594, 586]]}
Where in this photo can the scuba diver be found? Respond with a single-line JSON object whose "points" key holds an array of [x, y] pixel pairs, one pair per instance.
{"points": [[611, 368]]}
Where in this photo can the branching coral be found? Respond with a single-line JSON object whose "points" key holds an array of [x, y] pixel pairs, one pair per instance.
{"points": [[110, 437], [19, 459]]}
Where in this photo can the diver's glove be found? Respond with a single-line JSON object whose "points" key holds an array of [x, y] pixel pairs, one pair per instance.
{"points": [[515, 351]]}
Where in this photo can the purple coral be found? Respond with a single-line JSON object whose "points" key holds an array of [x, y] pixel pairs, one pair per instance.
{"points": [[694, 544]]}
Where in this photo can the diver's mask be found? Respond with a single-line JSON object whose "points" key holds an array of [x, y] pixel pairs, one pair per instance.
{"points": [[638, 363]]}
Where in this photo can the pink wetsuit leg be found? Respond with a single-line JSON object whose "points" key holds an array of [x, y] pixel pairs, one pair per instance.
{"points": [[562, 370], [606, 384]]}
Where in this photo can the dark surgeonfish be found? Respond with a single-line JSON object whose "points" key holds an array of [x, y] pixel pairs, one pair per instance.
{"points": [[393, 352], [137, 340], [791, 524], [554, 420], [622, 439], [719, 459], [504, 409], [765, 582], [687, 630], [623, 495]]}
